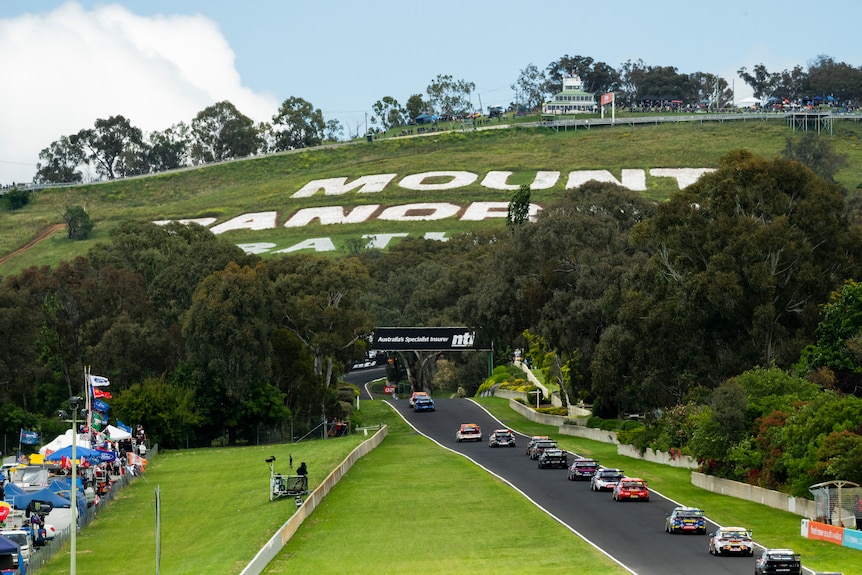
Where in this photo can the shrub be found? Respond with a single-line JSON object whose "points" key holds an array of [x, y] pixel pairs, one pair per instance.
{"points": [[16, 198]]}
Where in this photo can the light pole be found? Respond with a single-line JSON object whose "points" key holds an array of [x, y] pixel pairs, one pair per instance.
{"points": [[74, 403]]}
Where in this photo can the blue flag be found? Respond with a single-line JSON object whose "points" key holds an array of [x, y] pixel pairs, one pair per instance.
{"points": [[123, 426], [29, 437], [100, 405]]}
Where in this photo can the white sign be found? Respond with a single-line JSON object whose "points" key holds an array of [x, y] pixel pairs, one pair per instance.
{"points": [[426, 182]]}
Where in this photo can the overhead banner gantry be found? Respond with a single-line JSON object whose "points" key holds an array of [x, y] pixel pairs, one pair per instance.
{"points": [[428, 339]]}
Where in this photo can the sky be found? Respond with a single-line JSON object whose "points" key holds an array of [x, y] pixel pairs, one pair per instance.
{"points": [[66, 64]]}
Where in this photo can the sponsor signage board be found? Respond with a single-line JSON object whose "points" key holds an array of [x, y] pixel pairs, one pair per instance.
{"points": [[426, 339]]}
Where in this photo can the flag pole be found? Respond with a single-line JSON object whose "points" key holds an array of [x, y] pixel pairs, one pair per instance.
{"points": [[88, 388]]}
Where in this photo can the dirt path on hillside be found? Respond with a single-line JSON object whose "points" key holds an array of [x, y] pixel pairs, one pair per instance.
{"points": [[47, 232]]}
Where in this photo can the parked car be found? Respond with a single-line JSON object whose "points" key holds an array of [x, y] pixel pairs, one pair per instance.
{"points": [[731, 541], [416, 394], [24, 539], [686, 520], [553, 458], [582, 468], [632, 489], [423, 403], [540, 446], [501, 437], [468, 432], [606, 479], [533, 441], [783, 561]]}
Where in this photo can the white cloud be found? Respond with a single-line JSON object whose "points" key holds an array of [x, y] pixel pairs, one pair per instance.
{"points": [[64, 69]]}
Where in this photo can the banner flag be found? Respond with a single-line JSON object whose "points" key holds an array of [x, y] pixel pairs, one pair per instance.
{"points": [[100, 394], [123, 426], [100, 405], [99, 381], [29, 437]]}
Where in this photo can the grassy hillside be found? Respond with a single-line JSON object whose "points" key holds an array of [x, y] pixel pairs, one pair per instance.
{"points": [[267, 184]]}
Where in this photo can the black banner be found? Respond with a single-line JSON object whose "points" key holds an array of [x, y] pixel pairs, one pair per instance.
{"points": [[427, 339]]}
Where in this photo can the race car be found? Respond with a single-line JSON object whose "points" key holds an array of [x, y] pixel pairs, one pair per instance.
{"points": [[731, 541], [535, 439], [685, 520], [605, 479], [468, 432], [783, 561], [541, 446], [582, 468], [501, 437], [632, 489], [423, 403], [553, 458], [414, 395]]}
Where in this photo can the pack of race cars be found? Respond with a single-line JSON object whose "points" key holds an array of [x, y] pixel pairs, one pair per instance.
{"points": [[724, 541]]}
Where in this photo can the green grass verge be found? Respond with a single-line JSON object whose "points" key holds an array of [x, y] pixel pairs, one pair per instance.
{"points": [[215, 510], [770, 527]]}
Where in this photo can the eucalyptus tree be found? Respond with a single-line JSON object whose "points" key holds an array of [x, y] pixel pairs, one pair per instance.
{"points": [[415, 105], [317, 300], [297, 124], [114, 147], [739, 262], [61, 162], [221, 132], [388, 112], [170, 148], [449, 96], [564, 265], [227, 331], [760, 80], [531, 86], [839, 80], [172, 260]]}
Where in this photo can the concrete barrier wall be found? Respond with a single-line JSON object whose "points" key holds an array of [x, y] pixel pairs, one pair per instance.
{"points": [[593, 433], [531, 414], [683, 461], [509, 394], [532, 378], [277, 542], [774, 499]]}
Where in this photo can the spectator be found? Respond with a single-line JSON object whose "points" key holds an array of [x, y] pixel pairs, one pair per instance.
{"points": [[302, 469]]}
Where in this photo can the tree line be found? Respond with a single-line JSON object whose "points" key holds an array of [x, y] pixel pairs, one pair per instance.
{"points": [[115, 148]]}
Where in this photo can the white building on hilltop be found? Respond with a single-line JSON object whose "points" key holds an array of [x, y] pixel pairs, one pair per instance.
{"points": [[572, 100]]}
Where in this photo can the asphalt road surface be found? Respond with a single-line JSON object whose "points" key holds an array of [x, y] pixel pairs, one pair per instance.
{"points": [[631, 533]]}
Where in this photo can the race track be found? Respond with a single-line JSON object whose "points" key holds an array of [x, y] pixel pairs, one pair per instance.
{"points": [[631, 533]]}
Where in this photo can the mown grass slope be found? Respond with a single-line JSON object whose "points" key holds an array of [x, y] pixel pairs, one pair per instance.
{"points": [[228, 190]]}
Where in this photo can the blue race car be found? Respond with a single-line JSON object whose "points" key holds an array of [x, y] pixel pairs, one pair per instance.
{"points": [[423, 403], [686, 520]]}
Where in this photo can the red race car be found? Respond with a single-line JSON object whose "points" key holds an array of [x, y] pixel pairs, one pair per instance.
{"points": [[631, 488]]}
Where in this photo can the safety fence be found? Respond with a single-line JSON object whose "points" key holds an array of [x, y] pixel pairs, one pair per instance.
{"points": [[85, 517], [277, 542]]}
